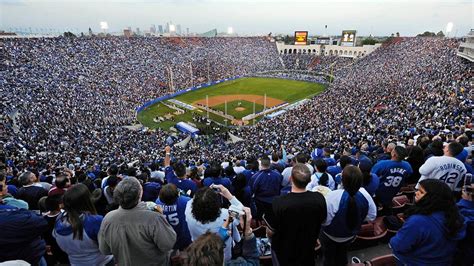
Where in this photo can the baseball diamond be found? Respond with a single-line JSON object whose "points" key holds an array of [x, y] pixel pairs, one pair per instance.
{"points": [[240, 95]]}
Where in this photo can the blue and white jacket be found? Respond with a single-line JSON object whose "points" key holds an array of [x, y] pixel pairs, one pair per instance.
{"points": [[337, 203], [81, 252]]}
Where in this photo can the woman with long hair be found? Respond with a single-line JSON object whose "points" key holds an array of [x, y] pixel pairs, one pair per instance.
{"points": [[432, 227], [76, 229], [347, 209]]}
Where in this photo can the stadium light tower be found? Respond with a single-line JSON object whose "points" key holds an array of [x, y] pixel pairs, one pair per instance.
{"points": [[449, 28], [230, 30], [104, 26]]}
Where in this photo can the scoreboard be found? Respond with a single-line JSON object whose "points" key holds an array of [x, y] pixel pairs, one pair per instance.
{"points": [[301, 37], [348, 38]]}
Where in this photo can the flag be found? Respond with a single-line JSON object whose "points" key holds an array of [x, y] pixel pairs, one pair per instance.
{"points": [[183, 143], [234, 138]]}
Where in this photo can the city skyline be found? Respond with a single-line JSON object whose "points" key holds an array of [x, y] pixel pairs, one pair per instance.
{"points": [[379, 18]]}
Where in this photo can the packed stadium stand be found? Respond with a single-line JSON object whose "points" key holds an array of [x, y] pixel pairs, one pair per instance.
{"points": [[387, 146]]}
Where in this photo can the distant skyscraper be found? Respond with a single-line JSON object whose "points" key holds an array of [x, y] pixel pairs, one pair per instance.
{"points": [[127, 33], [153, 29], [178, 29], [160, 29], [187, 31], [167, 28], [137, 31]]}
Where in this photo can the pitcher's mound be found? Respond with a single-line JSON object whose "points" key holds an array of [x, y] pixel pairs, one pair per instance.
{"points": [[239, 109]]}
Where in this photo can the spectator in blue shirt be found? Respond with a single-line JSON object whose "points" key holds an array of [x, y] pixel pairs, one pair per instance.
{"points": [[151, 189], [174, 206], [432, 228], [327, 157], [251, 169], [212, 175], [265, 185], [392, 174], [176, 174]]}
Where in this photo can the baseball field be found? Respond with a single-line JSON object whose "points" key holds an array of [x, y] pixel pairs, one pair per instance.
{"points": [[236, 99]]}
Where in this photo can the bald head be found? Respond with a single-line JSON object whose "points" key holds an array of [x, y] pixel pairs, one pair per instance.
{"points": [[300, 175]]}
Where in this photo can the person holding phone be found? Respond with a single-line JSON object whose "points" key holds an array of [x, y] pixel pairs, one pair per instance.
{"points": [[204, 213], [208, 248]]}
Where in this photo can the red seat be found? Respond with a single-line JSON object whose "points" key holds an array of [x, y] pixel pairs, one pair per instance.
{"points": [[370, 234], [399, 201], [399, 204]]}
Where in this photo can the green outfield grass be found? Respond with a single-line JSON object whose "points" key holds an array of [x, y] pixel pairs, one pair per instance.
{"points": [[283, 89], [286, 90], [248, 106], [146, 117]]}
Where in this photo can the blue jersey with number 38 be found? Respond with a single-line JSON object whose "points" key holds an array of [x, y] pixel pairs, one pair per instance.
{"points": [[175, 216], [392, 175]]}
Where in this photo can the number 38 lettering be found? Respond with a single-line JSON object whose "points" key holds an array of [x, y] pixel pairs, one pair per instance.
{"points": [[393, 181]]}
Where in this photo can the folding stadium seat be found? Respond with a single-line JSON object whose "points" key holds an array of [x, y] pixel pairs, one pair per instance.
{"points": [[371, 234], [399, 204]]}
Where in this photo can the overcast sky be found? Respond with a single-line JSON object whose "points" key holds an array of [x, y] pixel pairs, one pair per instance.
{"points": [[376, 17]]}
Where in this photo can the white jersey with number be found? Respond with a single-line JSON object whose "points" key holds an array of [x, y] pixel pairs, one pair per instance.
{"points": [[447, 169]]}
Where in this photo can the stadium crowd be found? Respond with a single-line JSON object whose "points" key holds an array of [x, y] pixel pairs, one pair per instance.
{"points": [[325, 64], [106, 195]]}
